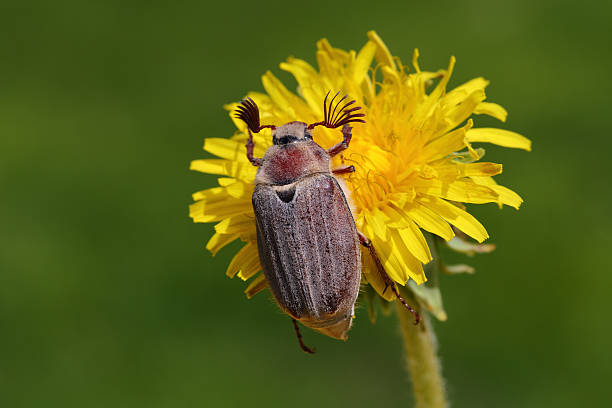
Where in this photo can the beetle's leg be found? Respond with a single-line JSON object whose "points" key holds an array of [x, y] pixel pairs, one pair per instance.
{"points": [[344, 170], [388, 282], [255, 161], [344, 144], [299, 336]]}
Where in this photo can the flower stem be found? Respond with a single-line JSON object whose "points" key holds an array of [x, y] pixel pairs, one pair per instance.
{"points": [[421, 359]]}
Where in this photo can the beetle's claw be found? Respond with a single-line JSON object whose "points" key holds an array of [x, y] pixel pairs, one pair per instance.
{"points": [[304, 347], [417, 317]]}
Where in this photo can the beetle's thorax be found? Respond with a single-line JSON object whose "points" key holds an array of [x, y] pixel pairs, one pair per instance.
{"points": [[294, 155]]}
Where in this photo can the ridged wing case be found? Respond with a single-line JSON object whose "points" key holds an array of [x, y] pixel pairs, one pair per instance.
{"points": [[309, 251]]}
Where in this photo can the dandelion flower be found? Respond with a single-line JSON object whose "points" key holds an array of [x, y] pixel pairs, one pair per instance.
{"points": [[415, 162]]}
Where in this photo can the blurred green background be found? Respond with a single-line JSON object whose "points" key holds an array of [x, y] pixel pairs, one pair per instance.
{"points": [[107, 296]]}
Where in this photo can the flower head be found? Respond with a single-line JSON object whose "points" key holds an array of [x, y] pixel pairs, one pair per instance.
{"points": [[414, 160]]}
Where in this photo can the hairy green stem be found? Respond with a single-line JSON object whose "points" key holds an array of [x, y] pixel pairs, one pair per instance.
{"points": [[421, 358]]}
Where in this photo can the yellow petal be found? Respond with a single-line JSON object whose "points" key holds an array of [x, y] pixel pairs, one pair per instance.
{"points": [[460, 112], [257, 285], [481, 169], [430, 221], [415, 60], [395, 218], [459, 218], [203, 211], [423, 111], [412, 267], [309, 83], [285, 100], [384, 248], [249, 235], [303, 72], [211, 194], [383, 56], [225, 148], [240, 189], [331, 62], [235, 224], [456, 170], [459, 93], [506, 196], [242, 171], [499, 137], [399, 264], [464, 190], [492, 109], [224, 181], [211, 166], [332, 53], [218, 241], [415, 242], [250, 268], [395, 268], [376, 220], [363, 62], [246, 256], [446, 144]]}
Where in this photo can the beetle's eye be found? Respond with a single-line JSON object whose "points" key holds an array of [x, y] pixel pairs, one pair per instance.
{"points": [[285, 140]]}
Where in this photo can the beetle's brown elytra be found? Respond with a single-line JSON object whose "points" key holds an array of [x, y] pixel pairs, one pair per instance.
{"points": [[308, 244]]}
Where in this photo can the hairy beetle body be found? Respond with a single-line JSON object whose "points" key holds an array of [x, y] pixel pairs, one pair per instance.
{"points": [[306, 236], [309, 251], [287, 163]]}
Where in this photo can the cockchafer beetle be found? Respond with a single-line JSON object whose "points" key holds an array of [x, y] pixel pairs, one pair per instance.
{"points": [[308, 244]]}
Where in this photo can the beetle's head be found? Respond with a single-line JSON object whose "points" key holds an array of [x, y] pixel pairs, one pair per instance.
{"points": [[336, 113], [291, 132]]}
